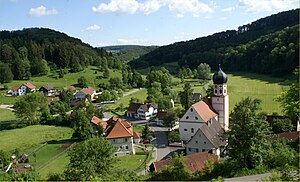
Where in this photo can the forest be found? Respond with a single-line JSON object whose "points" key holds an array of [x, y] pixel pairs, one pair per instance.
{"points": [[257, 47], [36, 51]]}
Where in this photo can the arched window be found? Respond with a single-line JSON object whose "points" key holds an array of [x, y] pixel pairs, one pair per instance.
{"points": [[220, 91]]}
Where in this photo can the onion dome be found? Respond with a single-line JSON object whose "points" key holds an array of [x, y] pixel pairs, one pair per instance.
{"points": [[219, 77]]}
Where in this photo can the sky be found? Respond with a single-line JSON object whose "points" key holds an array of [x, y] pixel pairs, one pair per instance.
{"points": [[137, 22]]}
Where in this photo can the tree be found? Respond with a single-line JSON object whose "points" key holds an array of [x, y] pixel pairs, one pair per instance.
{"points": [[204, 71], [282, 125], [186, 96], [134, 100], [289, 99], [247, 137], [6, 74], [81, 126], [30, 107], [82, 82], [146, 133], [90, 159], [154, 92], [170, 118], [115, 82]]}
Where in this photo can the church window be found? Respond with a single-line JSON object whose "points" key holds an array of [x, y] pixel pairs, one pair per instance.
{"points": [[196, 141], [191, 109], [187, 117], [192, 130], [224, 90], [220, 91], [196, 117], [215, 91], [204, 142], [185, 129]]}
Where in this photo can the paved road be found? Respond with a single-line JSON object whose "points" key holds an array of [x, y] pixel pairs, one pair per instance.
{"points": [[257, 177]]}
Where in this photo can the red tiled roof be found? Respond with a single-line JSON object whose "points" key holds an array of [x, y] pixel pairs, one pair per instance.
{"points": [[95, 120], [14, 88], [292, 136], [193, 162], [204, 110], [88, 90], [118, 130], [136, 135], [70, 88], [29, 85]]}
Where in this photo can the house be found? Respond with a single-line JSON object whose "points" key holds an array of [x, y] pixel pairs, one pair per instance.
{"points": [[22, 90], [160, 118], [204, 122], [48, 90], [70, 87], [289, 136], [141, 111], [95, 122], [121, 134], [81, 95], [194, 162]]}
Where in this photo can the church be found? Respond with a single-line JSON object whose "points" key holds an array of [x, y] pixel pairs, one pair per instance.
{"points": [[203, 124]]}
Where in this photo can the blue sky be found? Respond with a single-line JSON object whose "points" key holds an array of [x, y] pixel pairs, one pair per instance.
{"points": [[142, 22]]}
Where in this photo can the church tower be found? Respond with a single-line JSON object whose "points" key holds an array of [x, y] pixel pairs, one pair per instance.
{"points": [[220, 98]]}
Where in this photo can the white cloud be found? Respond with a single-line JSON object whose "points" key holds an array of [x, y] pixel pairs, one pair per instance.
{"points": [[131, 41], [124, 6], [228, 10], [93, 27], [266, 5], [42, 11], [180, 7]]}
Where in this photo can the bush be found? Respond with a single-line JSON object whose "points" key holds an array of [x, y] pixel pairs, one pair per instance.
{"points": [[174, 136]]}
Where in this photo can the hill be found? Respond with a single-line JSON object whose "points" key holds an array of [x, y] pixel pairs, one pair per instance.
{"points": [[129, 52], [33, 51], [217, 47]]}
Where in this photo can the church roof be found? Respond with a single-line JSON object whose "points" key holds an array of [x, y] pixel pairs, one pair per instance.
{"points": [[204, 110], [219, 77]]}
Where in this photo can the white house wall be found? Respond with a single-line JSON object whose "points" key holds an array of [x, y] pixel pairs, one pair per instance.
{"points": [[124, 146], [199, 143]]}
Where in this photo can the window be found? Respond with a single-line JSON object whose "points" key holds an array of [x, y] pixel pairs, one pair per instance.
{"points": [[196, 141], [215, 91], [189, 149], [114, 140], [121, 147], [126, 139], [187, 117], [197, 150], [196, 118], [185, 129], [203, 150], [224, 91], [127, 147], [220, 91], [191, 109], [199, 135], [116, 154], [204, 142], [192, 130]]}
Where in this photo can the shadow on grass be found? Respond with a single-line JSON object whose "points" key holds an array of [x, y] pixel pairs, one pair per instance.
{"points": [[62, 141], [266, 78]]}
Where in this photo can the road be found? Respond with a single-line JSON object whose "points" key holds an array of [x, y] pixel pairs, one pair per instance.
{"points": [[256, 177], [131, 92]]}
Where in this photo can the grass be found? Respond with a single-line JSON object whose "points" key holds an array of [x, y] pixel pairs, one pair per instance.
{"points": [[69, 79], [7, 115], [56, 166], [32, 136]]}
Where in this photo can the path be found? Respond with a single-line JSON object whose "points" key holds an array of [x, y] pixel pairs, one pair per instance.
{"points": [[10, 107], [256, 177], [131, 92]]}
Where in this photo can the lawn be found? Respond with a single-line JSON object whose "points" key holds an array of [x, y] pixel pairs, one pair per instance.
{"points": [[89, 73], [31, 136], [7, 115], [56, 166]]}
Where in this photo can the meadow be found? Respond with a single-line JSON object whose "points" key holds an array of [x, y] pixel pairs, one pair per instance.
{"points": [[6, 115], [28, 138]]}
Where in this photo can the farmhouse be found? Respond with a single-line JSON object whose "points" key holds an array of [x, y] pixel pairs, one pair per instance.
{"points": [[204, 122], [194, 162], [95, 122], [141, 111], [70, 87], [48, 90], [121, 134], [81, 95], [22, 90]]}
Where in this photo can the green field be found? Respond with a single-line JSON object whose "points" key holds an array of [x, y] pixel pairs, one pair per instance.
{"points": [[56, 166], [69, 79], [6, 115], [242, 85], [29, 137]]}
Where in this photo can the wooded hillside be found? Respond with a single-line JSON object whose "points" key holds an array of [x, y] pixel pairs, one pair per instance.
{"points": [[246, 49]]}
